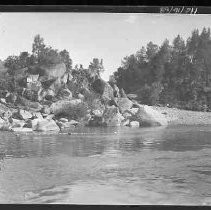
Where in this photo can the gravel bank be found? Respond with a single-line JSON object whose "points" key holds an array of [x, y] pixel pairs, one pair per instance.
{"points": [[184, 117]]}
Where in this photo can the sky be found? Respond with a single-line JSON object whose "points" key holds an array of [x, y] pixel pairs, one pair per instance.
{"points": [[110, 36]]}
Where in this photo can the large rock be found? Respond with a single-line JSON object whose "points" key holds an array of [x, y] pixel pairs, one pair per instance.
{"points": [[134, 124], [32, 124], [11, 98], [22, 115], [4, 125], [63, 120], [63, 105], [108, 92], [125, 122], [46, 110], [65, 94], [49, 71], [27, 103], [5, 112], [47, 125], [122, 93], [65, 127], [103, 88], [112, 116], [133, 111], [147, 116], [123, 104], [20, 129], [17, 123], [37, 115], [30, 94], [116, 91]]}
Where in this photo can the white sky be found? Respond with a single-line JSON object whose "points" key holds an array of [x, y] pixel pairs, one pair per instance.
{"points": [[110, 36]]}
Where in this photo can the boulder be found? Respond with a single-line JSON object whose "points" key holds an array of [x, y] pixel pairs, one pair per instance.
{"points": [[17, 123], [133, 111], [30, 94], [31, 123], [46, 110], [5, 111], [65, 94], [22, 115], [27, 103], [73, 122], [81, 96], [3, 100], [50, 116], [63, 120], [52, 71], [4, 125], [125, 122], [112, 116], [134, 124], [49, 94], [123, 104], [20, 129], [108, 92], [116, 91], [62, 105], [11, 98], [47, 125], [122, 93], [132, 96], [48, 71], [127, 114], [65, 127], [147, 116], [37, 115], [103, 88]]}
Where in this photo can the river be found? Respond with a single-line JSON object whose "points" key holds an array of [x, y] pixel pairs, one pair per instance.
{"points": [[159, 165]]}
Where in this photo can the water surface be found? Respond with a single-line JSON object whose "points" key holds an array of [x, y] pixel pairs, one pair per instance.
{"points": [[169, 165]]}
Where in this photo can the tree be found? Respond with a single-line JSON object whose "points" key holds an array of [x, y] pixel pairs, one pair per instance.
{"points": [[96, 66], [24, 59], [65, 57], [177, 74], [12, 63], [38, 47], [151, 51]]}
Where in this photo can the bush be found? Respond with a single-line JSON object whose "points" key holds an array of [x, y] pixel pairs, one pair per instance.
{"points": [[93, 100], [74, 112]]}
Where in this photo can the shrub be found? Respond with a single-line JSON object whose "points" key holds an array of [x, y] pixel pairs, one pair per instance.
{"points": [[75, 112]]}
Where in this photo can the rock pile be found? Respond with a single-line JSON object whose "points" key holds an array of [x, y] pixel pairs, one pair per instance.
{"points": [[58, 107]]}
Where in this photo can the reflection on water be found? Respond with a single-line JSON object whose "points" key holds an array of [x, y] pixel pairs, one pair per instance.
{"points": [[162, 165]]}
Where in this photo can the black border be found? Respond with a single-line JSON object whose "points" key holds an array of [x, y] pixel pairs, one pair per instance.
{"points": [[136, 6], [98, 8]]}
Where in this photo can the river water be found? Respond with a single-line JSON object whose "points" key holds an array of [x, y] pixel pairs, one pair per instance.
{"points": [[170, 165]]}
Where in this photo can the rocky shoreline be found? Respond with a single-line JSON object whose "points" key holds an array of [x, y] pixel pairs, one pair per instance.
{"points": [[136, 115], [54, 99], [48, 118]]}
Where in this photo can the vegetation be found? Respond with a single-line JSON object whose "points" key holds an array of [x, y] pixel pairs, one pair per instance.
{"points": [[177, 74], [75, 112], [46, 55]]}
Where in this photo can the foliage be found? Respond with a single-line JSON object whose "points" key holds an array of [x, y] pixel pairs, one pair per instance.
{"points": [[7, 83], [96, 66], [75, 112], [174, 74]]}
